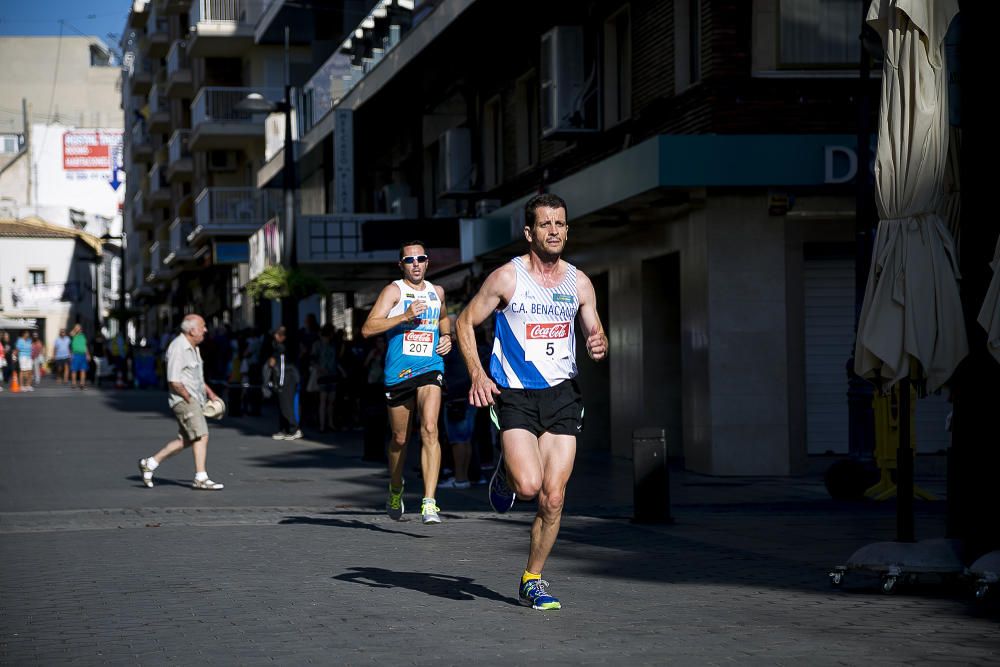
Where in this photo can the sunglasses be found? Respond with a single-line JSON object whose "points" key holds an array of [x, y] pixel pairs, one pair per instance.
{"points": [[410, 259]]}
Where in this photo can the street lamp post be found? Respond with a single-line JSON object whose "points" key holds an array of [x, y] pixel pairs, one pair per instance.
{"points": [[255, 103]]}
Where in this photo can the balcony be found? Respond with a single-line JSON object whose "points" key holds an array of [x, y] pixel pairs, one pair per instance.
{"points": [[139, 14], [142, 149], [140, 269], [140, 74], [173, 6], [159, 188], [222, 28], [216, 124], [180, 167], [180, 250], [232, 212], [156, 41], [179, 82], [157, 270], [142, 217], [159, 110]]}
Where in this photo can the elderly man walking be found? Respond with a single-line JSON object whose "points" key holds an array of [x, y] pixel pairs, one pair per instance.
{"points": [[188, 393]]}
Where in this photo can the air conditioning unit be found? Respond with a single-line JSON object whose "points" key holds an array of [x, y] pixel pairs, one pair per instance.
{"points": [[455, 159], [404, 207], [486, 206], [568, 83], [222, 160]]}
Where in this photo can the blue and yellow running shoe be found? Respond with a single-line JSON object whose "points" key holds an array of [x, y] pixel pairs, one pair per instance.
{"points": [[534, 593], [501, 495]]}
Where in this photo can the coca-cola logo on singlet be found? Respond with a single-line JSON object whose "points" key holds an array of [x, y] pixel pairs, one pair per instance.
{"points": [[420, 336], [547, 330]]}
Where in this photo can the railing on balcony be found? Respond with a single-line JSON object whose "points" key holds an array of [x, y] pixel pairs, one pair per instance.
{"points": [[235, 207], [158, 102], [155, 258], [139, 135], [338, 238], [177, 58], [180, 229], [158, 180], [214, 103], [244, 12], [177, 147]]}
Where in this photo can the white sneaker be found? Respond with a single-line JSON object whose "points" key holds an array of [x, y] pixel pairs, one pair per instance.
{"points": [[146, 472], [280, 435], [207, 485], [294, 436], [429, 512]]}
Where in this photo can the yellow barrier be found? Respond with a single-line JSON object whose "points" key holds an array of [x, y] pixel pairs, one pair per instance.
{"points": [[886, 408]]}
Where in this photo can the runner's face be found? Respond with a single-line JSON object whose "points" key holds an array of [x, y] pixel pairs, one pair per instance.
{"points": [[548, 236], [415, 271]]}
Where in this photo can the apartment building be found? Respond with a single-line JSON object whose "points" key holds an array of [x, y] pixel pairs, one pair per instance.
{"points": [[708, 150], [192, 154]]}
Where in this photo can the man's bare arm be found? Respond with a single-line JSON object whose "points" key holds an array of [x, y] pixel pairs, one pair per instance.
{"points": [[593, 330], [497, 289], [181, 390], [377, 322]]}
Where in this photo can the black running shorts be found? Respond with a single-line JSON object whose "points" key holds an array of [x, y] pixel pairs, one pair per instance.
{"points": [[557, 410], [403, 392]]}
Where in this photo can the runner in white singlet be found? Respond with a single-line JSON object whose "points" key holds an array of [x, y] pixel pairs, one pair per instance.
{"points": [[533, 397]]}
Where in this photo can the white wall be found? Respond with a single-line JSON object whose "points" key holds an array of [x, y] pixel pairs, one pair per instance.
{"points": [[64, 261], [84, 188]]}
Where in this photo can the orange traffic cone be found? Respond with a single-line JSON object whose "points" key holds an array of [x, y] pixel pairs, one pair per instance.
{"points": [[14, 386]]}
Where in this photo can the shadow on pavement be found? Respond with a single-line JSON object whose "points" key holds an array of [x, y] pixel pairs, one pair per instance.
{"points": [[341, 523], [439, 585]]}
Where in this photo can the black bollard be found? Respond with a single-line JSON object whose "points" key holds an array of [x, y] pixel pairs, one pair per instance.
{"points": [[651, 487]]}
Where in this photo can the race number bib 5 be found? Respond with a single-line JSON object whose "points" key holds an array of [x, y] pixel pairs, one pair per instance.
{"points": [[546, 341], [418, 343]]}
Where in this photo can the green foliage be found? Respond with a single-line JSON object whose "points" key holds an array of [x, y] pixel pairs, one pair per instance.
{"points": [[277, 282]]}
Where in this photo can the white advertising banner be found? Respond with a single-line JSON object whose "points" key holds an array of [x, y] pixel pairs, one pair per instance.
{"points": [[79, 168]]}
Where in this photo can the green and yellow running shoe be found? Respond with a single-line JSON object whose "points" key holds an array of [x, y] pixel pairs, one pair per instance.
{"points": [[394, 506]]}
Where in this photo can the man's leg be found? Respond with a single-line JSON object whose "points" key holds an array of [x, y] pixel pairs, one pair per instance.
{"points": [[558, 453], [171, 448], [200, 449], [399, 421], [429, 406]]}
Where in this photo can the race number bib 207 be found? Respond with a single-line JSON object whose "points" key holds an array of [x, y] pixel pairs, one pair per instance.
{"points": [[418, 343], [546, 341]]}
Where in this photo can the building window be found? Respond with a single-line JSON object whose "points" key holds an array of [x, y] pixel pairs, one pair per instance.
{"points": [[10, 143], [492, 143], [687, 44], [526, 103], [818, 33], [36, 277], [617, 68]]}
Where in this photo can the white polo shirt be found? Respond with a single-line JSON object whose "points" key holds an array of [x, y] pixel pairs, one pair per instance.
{"points": [[185, 367]]}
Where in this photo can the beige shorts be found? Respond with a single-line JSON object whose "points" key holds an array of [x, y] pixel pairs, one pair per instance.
{"points": [[190, 420]]}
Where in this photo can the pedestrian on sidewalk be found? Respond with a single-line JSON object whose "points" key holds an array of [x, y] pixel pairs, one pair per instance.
{"points": [[533, 394], [80, 357], [281, 376], [61, 356], [37, 357], [4, 361], [188, 394], [409, 312], [24, 363]]}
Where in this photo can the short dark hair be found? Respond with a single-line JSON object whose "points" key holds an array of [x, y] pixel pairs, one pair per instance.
{"points": [[409, 243], [546, 200]]}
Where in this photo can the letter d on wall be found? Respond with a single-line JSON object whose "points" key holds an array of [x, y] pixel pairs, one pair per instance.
{"points": [[835, 165]]}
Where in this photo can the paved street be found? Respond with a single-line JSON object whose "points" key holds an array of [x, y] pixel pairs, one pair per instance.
{"points": [[295, 563]]}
